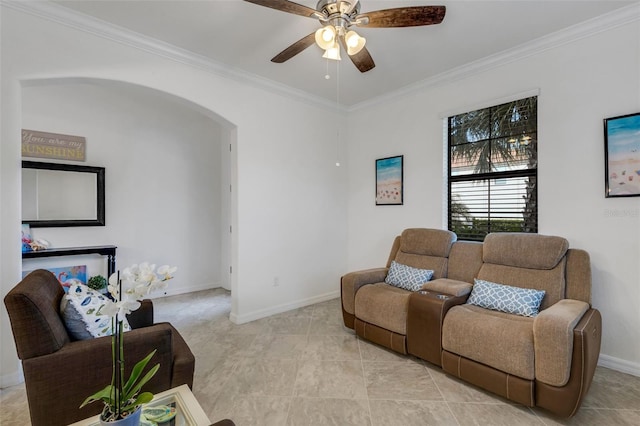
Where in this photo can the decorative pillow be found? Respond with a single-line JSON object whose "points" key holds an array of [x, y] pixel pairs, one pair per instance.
{"points": [[407, 277], [505, 298], [81, 312]]}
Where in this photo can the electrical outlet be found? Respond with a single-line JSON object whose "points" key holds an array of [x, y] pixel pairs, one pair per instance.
{"points": [[276, 281]]}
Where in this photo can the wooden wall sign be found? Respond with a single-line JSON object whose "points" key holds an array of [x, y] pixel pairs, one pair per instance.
{"points": [[53, 145]]}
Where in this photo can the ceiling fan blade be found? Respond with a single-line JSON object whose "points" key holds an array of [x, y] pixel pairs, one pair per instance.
{"points": [[295, 48], [288, 6], [362, 60], [402, 17]]}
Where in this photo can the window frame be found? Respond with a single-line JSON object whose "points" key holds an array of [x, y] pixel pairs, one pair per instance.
{"points": [[492, 176]]}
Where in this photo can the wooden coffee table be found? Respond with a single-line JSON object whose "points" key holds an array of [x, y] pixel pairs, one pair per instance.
{"points": [[189, 412]]}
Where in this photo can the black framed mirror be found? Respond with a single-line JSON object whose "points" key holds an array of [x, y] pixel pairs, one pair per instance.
{"points": [[56, 195]]}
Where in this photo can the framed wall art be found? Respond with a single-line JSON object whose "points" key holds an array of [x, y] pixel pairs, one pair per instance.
{"points": [[67, 275], [622, 156], [389, 181]]}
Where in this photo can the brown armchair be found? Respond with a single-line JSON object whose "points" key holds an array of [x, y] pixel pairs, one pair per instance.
{"points": [[60, 373]]}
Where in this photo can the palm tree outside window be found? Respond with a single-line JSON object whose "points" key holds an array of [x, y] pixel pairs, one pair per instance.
{"points": [[493, 170]]}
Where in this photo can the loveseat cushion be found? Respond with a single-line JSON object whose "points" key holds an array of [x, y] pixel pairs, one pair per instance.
{"points": [[552, 281], [437, 264], [383, 305], [465, 260], [427, 242], [532, 251], [499, 340]]}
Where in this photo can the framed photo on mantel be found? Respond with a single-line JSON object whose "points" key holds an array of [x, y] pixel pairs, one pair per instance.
{"points": [[622, 156], [389, 181]]}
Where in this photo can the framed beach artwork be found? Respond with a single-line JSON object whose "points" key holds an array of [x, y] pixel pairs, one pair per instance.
{"points": [[389, 176], [67, 275], [622, 156]]}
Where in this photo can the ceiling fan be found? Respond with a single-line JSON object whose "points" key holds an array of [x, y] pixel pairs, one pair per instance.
{"points": [[337, 17]]}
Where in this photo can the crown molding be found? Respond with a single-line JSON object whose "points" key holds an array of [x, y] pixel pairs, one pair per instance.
{"points": [[88, 24], [91, 25], [608, 21]]}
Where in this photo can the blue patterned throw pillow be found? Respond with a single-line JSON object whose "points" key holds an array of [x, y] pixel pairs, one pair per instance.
{"points": [[505, 298], [81, 310], [407, 277]]}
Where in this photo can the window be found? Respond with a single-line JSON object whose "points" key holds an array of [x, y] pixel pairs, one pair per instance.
{"points": [[493, 170]]}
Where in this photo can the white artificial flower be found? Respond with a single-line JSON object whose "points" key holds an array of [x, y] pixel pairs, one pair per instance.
{"points": [[146, 272], [125, 307], [166, 272], [110, 308], [159, 285], [113, 290], [113, 279], [136, 282]]}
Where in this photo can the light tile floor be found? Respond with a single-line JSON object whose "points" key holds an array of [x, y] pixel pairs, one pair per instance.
{"points": [[304, 368]]}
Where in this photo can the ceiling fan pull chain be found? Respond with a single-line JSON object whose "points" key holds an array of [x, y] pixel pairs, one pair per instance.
{"points": [[338, 113]]}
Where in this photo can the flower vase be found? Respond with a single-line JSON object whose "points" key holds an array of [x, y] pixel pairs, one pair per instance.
{"points": [[132, 419]]}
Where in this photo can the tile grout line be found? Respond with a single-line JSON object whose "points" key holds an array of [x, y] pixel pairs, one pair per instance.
{"points": [[441, 393], [364, 377]]}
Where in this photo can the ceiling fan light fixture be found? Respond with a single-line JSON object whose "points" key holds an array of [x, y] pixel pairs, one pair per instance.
{"points": [[333, 52], [326, 37], [354, 42], [337, 16]]}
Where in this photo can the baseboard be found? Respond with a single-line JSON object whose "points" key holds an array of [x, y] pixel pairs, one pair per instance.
{"points": [[263, 313], [174, 291], [620, 365], [12, 379]]}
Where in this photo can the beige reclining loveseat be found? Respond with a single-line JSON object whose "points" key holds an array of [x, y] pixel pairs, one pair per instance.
{"points": [[545, 360]]}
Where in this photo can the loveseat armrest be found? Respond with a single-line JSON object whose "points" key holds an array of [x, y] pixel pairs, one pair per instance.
{"points": [[351, 283], [448, 286], [566, 400], [553, 340]]}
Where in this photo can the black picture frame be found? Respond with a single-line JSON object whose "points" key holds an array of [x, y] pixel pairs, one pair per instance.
{"points": [[99, 220], [390, 181], [622, 156]]}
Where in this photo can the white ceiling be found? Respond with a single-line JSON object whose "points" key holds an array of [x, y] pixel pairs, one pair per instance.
{"points": [[244, 36]]}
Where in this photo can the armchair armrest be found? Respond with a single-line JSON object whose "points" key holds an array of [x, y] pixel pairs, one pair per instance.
{"points": [[83, 367], [553, 340], [143, 316], [352, 282]]}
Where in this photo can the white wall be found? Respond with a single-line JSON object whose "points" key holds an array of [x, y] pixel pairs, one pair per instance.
{"points": [[288, 205], [580, 84], [163, 176]]}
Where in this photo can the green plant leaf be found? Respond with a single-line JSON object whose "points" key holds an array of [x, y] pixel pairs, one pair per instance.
{"points": [[103, 395], [143, 381], [135, 373], [143, 398]]}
